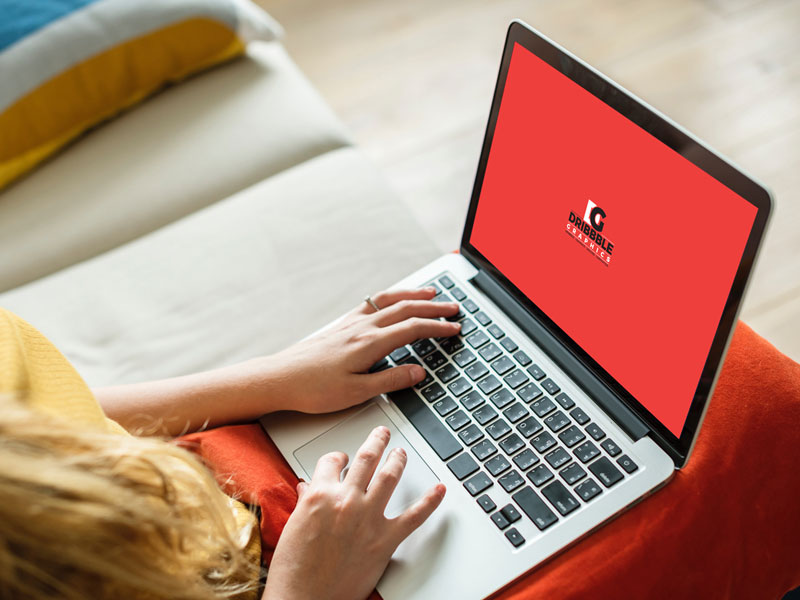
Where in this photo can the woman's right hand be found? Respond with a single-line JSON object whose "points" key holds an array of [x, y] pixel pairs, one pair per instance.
{"points": [[337, 542]]}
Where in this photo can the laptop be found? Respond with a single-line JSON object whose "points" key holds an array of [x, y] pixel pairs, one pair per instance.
{"points": [[601, 269]]}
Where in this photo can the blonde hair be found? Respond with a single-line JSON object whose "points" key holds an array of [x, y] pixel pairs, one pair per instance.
{"points": [[86, 513]]}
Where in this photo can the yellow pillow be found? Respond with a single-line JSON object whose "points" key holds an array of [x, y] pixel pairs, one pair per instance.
{"points": [[67, 65]]}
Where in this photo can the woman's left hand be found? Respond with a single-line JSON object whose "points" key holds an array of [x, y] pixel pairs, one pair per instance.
{"points": [[329, 371]]}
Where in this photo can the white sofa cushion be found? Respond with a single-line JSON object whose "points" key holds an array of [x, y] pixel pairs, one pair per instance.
{"points": [[184, 149], [245, 276]]}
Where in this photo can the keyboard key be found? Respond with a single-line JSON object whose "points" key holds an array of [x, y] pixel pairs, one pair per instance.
{"points": [[559, 496], [462, 466], [489, 384], [511, 481], [457, 420], [400, 354], [529, 392], [529, 427], [572, 473], [515, 537], [478, 483], [411, 360], [588, 489], [543, 442], [558, 457], [581, 418], [445, 406], [477, 339], [381, 365], [551, 387], [483, 450], [456, 317], [542, 407], [470, 435], [593, 429], [442, 298], [452, 344], [446, 281], [498, 429], [511, 513], [468, 326], [500, 520], [512, 443], [522, 358], [486, 503], [495, 331], [472, 400], [515, 379], [459, 387], [586, 452], [502, 398], [483, 318], [423, 347], [447, 373], [427, 423], [623, 461], [484, 414], [436, 288], [497, 465], [509, 344], [605, 471], [571, 436], [557, 421], [610, 447], [502, 365], [463, 358], [539, 475], [426, 381], [490, 352], [525, 459], [470, 306], [534, 508], [434, 360], [458, 294], [515, 412], [433, 392], [476, 371], [536, 372], [565, 401]]}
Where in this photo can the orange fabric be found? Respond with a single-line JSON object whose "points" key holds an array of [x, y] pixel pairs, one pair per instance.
{"points": [[727, 526]]}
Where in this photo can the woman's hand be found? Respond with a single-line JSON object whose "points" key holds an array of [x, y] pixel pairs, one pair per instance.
{"points": [[337, 543], [329, 371], [322, 374]]}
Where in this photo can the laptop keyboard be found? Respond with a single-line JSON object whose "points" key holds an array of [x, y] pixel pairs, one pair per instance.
{"points": [[498, 419]]}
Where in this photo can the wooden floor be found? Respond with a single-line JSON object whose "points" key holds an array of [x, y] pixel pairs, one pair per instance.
{"points": [[413, 80]]}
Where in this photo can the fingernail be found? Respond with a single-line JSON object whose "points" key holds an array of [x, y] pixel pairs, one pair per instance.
{"points": [[382, 429], [401, 452], [429, 289], [417, 373]]}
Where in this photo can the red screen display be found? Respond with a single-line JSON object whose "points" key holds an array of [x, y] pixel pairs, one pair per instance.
{"points": [[627, 246]]}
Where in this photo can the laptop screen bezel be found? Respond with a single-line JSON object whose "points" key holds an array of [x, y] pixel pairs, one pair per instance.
{"points": [[680, 141]]}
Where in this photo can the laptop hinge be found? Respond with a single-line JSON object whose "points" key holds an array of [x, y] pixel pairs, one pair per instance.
{"points": [[561, 355]]}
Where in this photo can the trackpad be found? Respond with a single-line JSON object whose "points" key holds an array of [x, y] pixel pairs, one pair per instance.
{"points": [[348, 436]]}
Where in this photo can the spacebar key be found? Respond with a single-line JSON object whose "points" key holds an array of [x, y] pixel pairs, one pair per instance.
{"points": [[429, 427]]}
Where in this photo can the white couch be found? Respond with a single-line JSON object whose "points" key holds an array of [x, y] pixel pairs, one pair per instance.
{"points": [[223, 218]]}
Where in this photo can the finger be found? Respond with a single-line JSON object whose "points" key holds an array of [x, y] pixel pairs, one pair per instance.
{"points": [[411, 330], [367, 458], [329, 467], [405, 309], [391, 380], [406, 523], [390, 297], [387, 478], [302, 486]]}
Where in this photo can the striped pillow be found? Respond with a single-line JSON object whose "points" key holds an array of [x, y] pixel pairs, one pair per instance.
{"points": [[66, 65]]}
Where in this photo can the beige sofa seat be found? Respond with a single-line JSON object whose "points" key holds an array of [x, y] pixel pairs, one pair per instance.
{"points": [[245, 276], [186, 148]]}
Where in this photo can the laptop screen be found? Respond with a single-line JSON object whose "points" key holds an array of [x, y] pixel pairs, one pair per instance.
{"points": [[626, 245]]}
